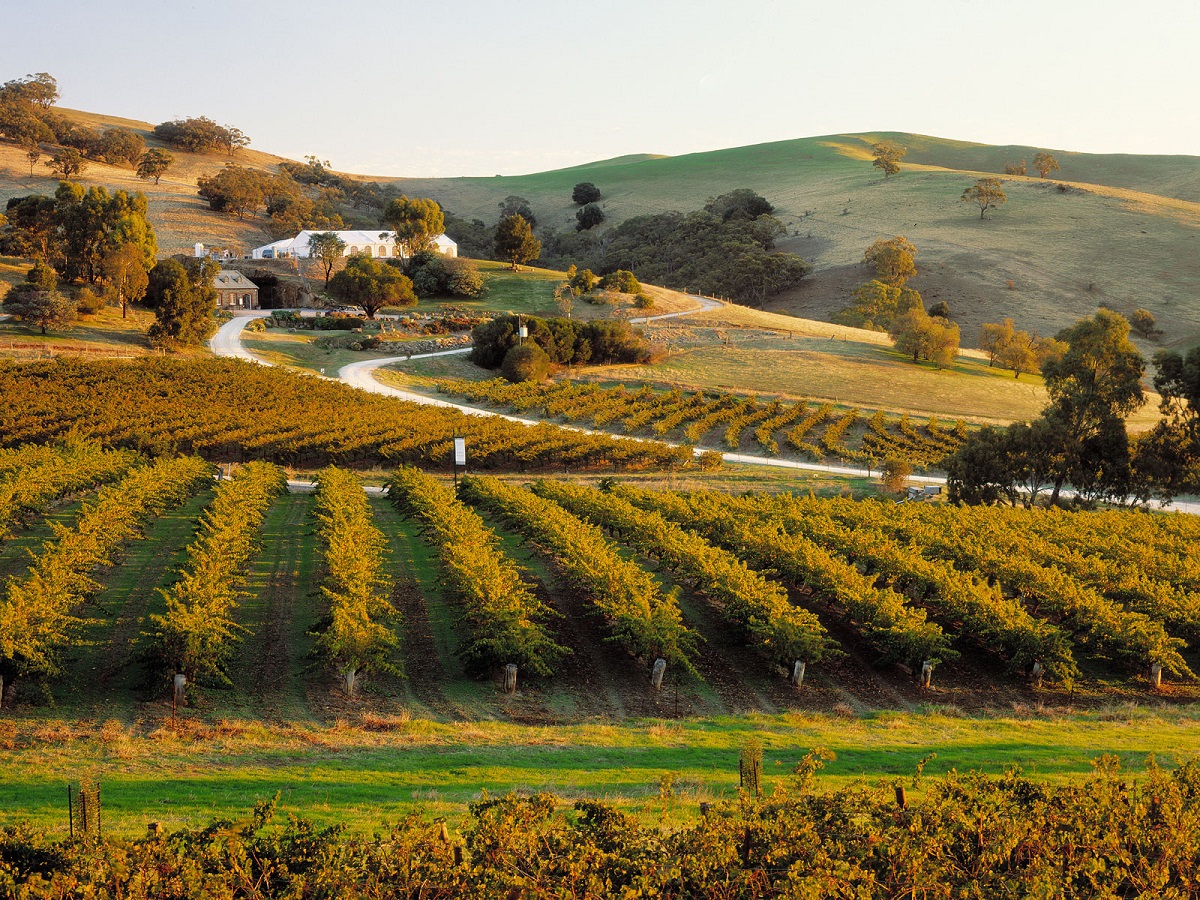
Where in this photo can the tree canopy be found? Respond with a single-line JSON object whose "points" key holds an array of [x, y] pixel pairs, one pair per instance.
{"points": [[701, 251], [886, 156], [67, 163], [416, 222], [154, 164], [742, 203], [1045, 163], [585, 192], [588, 217], [515, 241], [892, 259], [124, 269], [986, 193], [327, 248], [1080, 437], [184, 301], [926, 337], [200, 135], [371, 284], [876, 304]]}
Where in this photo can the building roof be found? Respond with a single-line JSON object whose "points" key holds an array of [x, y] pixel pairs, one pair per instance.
{"points": [[350, 238], [228, 280]]}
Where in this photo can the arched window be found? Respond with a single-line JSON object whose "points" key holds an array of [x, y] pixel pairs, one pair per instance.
{"points": [[353, 250], [383, 249]]}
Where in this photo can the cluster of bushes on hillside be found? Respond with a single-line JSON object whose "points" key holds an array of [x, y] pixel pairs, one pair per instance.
{"points": [[551, 342], [727, 248], [201, 135], [969, 835], [241, 191]]}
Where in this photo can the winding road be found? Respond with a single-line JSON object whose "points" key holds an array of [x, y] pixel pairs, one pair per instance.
{"points": [[227, 342]]}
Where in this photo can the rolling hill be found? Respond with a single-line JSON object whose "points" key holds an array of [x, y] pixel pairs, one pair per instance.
{"points": [[1116, 229]]}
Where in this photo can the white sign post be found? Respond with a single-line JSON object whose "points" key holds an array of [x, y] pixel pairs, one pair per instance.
{"points": [[460, 459]]}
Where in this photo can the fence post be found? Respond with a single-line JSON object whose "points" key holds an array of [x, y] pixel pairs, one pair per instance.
{"points": [[510, 678], [656, 676], [798, 674], [926, 673]]}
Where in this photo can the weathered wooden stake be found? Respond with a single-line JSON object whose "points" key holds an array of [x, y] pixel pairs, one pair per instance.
{"points": [[510, 678], [180, 688], [348, 681], [798, 674], [926, 673], [656, 677], [901, 797], [1036, 673], [1156, 674], [1, 692]]}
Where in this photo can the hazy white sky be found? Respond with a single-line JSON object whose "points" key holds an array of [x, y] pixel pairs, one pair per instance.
{"points": [[467, 87]]}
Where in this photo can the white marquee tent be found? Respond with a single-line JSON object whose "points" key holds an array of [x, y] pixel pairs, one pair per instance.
{"points": [[372, 243]]}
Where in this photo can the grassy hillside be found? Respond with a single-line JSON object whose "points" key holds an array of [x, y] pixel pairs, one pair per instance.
{"points": [[1129, 242], [179, 216], [1114, 229]]}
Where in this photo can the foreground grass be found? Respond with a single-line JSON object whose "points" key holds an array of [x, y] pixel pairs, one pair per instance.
{"points": [[376, 770]]}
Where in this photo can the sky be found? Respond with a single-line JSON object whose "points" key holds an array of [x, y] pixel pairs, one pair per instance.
{"points": [[437, 89]]}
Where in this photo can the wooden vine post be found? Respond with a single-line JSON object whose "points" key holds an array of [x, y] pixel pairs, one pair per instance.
{"points": [[510, 678]]}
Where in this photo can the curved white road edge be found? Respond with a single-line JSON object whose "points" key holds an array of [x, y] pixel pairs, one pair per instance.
{"points": [[361, 375]]}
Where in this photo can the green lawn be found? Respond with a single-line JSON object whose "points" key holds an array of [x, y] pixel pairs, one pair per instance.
{"points": [[367, 776]]}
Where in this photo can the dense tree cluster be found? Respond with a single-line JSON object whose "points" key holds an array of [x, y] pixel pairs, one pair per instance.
{"points": [[435, 275], [1018, 351], [243, 191], [564, 341], [1093, 377], [201, 135], [923, 336], [727, 249], [876, 304]]}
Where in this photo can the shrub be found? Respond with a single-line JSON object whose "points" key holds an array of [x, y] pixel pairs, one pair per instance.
{"points": [[621, 280], [434, 275], [88, 302], [588, 217], [525, 362], [585, 192], [895, 471], [644, 301]]}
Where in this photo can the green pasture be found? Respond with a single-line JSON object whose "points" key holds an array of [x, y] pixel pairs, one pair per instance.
{"points": [[367, 776]]}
